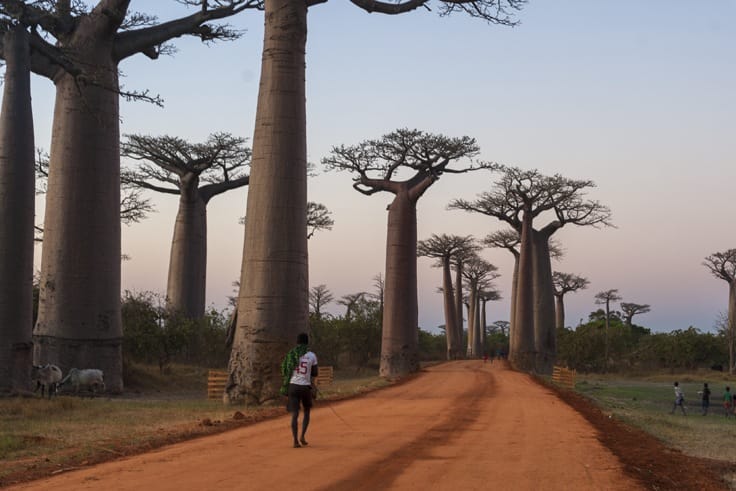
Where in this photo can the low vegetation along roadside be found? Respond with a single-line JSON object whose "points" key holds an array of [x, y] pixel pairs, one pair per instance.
{"points": [[39, 437], [646, 402]]}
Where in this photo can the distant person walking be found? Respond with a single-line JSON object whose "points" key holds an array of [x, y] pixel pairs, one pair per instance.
{"points": [[297, 369], [679, 400], [705, 396], [727, 401]]}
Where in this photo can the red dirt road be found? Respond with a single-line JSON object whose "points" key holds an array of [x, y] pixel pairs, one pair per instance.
{"points": [[457, 426]]}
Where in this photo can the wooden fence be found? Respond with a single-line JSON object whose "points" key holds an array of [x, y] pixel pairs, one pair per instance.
{"points": [[325, 377], [216, 380], [564, 377]]}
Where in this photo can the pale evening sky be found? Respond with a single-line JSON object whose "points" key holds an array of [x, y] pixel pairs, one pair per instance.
{"points": [[636, 96]]}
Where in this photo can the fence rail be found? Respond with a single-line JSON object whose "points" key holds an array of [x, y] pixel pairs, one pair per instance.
{"points": [[325, 377], [216, 380], [564, 376]]}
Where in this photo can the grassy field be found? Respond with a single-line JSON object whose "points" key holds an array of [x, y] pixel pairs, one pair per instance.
{"points": [[646, 402], [40, 436]]}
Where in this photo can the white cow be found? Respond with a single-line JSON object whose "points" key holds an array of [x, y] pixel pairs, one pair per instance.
{"points": [[91, 378], [47, 377]]}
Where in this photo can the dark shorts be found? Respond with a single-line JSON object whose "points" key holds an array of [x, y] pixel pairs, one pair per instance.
{"points": [[297, 394]]}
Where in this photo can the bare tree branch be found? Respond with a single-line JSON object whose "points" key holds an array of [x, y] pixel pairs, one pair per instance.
{"points": [[147, 40]]}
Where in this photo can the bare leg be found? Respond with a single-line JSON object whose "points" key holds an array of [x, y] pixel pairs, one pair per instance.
{"points": [[295, 425], [305, 424]]}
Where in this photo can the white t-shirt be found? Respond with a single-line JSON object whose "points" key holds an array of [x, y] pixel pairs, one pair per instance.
{"points": [[303, 372]]}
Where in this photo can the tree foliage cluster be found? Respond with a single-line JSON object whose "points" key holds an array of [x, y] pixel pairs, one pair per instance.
{"points": [[154, 334], [636, 348], [353, 340]]}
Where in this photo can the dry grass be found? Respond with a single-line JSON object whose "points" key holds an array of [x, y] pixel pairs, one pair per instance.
{"points": [[646, 402], [38, 436]]}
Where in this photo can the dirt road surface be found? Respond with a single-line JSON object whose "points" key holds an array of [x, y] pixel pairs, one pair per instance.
{"points": [[457, 426]]}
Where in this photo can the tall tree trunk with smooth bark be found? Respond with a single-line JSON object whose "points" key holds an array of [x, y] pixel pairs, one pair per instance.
{"points": [[523, 357], [545, 337], [450, 315], [17, 196], [400, 336], [477, 334], [732, 326], [512, 314], [559, 311], [186, 286], [472, 301], [79, 323], [483, 324], [459, 306], [273, 304]]}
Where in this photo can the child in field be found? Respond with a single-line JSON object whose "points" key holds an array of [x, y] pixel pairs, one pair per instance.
{"points": [[679, 400], [705, 394], [727, 401]]}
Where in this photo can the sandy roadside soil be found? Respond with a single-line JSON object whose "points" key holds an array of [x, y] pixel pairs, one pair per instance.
{"points": [[457, 426]]}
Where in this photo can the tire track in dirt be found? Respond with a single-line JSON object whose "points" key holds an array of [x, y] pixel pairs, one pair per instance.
{"points": [[464, 410]]}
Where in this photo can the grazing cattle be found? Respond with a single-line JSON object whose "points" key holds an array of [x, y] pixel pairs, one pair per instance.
{"points": [[47, 378], [91, 378]]}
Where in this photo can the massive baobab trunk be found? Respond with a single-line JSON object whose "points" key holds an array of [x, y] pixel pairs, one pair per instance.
{"points": [[459, 304], [483, 324], [472, 301], [731, 326], [512, 313], [273, 303], [545, 336], [186, 287], [559, 311], [450, 316], [523, 356], [400, 336], [79, 322], [17, 197], [477, 335]]}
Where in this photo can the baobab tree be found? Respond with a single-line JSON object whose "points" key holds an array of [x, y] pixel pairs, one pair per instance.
{"points": [[318, 218], [478, 274], [632, 309], [510, 240], [443, 248], [79, 320], [502, 326], [378, 166], [459, 258], [17, 210], [485, 295], [350, 301], [563, 284], [319, 296], [196, 172], [275, 295], [722, 265], [606, 298], [134, 207], [519, 198]]}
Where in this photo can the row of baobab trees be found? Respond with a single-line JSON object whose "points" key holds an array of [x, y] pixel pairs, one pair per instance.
{"points": [[79, 314], [79, 48]]}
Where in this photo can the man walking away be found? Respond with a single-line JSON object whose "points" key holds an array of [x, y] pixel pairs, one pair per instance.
{"points": [[297, 370], [679, 400]]}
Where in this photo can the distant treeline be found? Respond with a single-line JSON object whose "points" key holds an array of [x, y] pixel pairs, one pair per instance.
{"points": [[635, 348]]}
